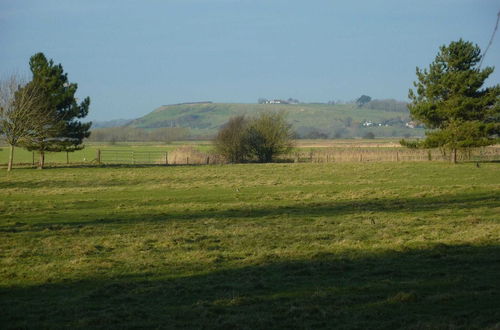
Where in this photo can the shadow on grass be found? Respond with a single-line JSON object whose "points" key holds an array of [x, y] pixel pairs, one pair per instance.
{"points": [[56, 166], [410, 206], [437, 287]]}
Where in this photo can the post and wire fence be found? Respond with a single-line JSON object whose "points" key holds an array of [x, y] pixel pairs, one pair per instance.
{"points": [[188, 155], [107, 156]]}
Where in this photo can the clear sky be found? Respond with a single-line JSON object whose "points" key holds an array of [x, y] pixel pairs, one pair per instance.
{"points": [[133, 56]]}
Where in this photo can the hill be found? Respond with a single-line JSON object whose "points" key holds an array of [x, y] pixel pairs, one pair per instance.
{"points": [[110, 123], [309, 120]]}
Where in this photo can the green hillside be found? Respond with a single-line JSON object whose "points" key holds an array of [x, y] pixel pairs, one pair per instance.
{"points": [[340, 120]]}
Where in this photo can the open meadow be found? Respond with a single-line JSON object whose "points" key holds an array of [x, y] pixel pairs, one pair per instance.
{"points": [[307, 245]]}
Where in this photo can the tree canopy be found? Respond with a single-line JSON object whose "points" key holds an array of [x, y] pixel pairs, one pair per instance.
{"points": [[363, 99], [21, 113], [449, 98], [61, 104]]}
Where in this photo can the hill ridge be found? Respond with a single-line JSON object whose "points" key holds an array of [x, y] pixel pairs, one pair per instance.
{"points": [[340, 120]]}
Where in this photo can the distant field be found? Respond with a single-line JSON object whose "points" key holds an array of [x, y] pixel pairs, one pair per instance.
{"points": [[317, 246], [196, 152], [88, 154]]}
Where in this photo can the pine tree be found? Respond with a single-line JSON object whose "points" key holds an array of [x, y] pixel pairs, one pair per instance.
{"points": [[62, 106], [451, 101]]}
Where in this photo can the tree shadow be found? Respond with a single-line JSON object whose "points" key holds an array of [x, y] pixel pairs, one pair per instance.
{"points": [[300, 210], [438, 287], [55, 166]]}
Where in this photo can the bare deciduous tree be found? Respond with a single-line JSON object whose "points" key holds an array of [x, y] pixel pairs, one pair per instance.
{"points": [[21, 117], [230, 141]]}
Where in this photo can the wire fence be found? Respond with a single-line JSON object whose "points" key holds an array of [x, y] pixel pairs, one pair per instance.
{"points": [[107, 156], [335, 155], [188, 155]]}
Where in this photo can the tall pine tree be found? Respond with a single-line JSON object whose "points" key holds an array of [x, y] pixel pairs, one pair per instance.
{"points": [[67, 132], [451, 101]]}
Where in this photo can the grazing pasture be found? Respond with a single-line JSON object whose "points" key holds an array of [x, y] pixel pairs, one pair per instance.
{"points": [[316, 245]]}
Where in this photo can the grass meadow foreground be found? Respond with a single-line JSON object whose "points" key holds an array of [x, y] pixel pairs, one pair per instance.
{"points": [[351, 245]]}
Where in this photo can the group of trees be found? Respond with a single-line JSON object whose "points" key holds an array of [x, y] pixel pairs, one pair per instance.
{"points": [[260, 138], [450, 100], [42, 114], [387, 105], [132, 134]]}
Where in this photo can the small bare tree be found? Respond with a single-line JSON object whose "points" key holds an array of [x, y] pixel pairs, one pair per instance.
{"points": [[21, 115], [230, 140], [269, 135]]}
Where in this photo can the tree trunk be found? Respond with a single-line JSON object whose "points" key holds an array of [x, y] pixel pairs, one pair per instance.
{"points": [[11, 158], [41, 162], [454, 156]]}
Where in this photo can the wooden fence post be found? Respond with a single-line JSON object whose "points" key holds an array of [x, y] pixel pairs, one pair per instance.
{"points": [[166, 158], [33, 158], [98, 156]]}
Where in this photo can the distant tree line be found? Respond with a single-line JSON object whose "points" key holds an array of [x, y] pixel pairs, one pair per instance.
{"points": [[132, 134], [387, 105]]}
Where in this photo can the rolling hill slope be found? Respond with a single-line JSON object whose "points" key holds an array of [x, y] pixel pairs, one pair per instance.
{"points": [[342, 119]]}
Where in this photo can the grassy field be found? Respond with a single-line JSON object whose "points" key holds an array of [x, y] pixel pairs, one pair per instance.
{"points": [[359, 245]]}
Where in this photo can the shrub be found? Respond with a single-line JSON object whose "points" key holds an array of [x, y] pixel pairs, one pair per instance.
{"points": [[230, 140], [261, 138], [369, 135]]}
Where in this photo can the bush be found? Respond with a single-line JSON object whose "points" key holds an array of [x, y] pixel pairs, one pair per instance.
{"points": [[229, 141], [268, 135], [369, 135], [260, 138]]}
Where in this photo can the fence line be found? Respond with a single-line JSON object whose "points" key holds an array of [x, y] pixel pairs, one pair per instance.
{"points": [[335, 155], [192, 156], [107, 156]]}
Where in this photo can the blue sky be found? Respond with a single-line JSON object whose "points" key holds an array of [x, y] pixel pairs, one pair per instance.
{"points": [[133, 56]]}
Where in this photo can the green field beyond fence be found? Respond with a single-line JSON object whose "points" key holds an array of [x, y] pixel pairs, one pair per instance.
{"points": [[202, 152], [118, 153]]}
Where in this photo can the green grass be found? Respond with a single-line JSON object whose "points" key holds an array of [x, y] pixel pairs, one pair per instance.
{"points": [[353, 245]]}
